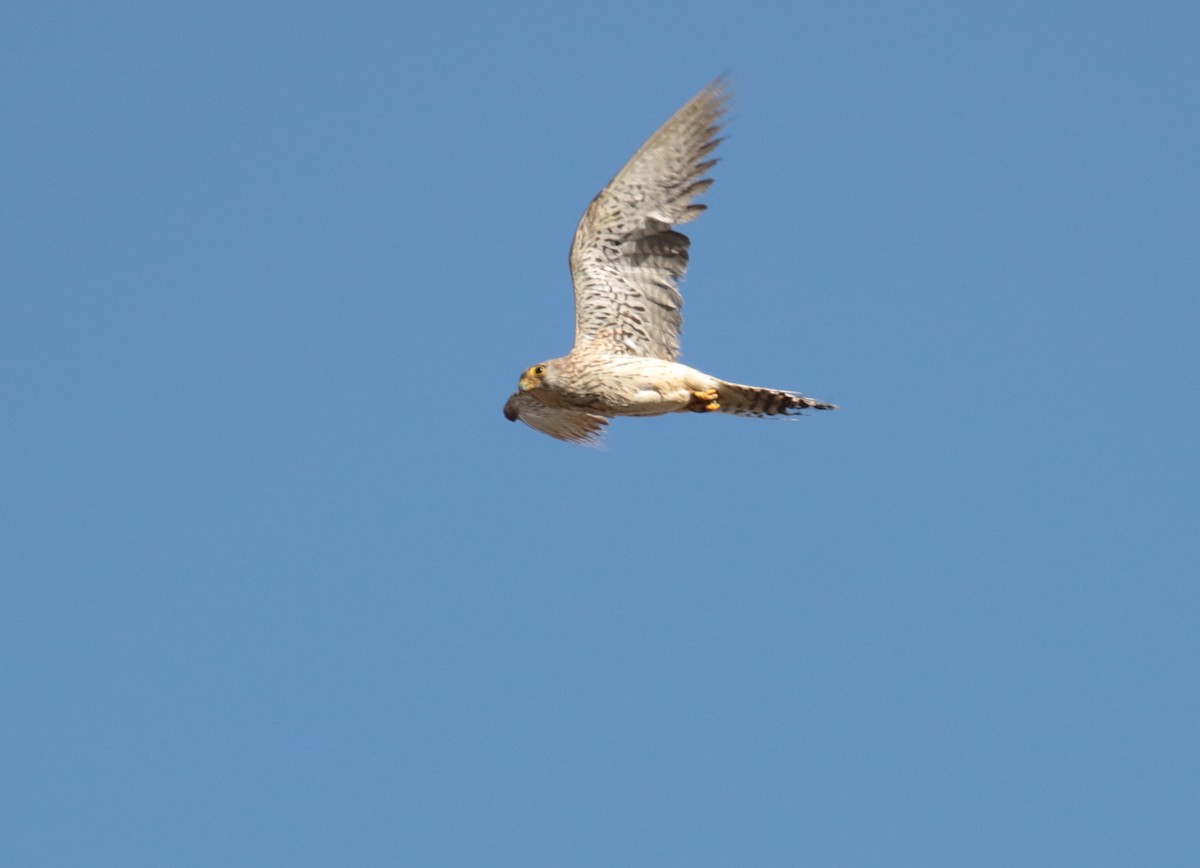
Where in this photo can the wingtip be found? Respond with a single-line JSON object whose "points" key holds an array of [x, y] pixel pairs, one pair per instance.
{"points": [[721, 82]]}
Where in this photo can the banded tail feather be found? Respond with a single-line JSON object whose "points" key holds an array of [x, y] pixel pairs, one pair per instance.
{"points": [[757, 401]]}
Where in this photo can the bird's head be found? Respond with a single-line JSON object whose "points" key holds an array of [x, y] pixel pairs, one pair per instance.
{"points": [[533, 378]]}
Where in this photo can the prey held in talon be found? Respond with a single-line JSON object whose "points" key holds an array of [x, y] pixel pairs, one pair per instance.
{"points": [[626, 263]]}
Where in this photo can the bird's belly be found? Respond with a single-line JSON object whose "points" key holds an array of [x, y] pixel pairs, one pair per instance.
{"points": [[632, 386], [654, 401]]}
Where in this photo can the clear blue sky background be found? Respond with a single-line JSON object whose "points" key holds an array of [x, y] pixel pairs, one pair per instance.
{"points": [[281, 586]]}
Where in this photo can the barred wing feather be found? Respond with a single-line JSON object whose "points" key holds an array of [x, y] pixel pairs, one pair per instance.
{"points": [[626, 260]]}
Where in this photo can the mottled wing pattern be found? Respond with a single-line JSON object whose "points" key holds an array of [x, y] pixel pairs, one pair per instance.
{"points": [[577, 426], [626, 260]]}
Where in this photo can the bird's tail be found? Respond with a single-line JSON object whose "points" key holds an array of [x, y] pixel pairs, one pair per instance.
{"points": [[756, 401]]}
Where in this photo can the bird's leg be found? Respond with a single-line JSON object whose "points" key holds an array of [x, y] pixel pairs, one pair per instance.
{"points": [[704, 402]]}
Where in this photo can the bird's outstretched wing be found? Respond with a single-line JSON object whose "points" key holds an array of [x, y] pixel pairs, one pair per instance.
{"points": [[626, 260], [576, 426]]}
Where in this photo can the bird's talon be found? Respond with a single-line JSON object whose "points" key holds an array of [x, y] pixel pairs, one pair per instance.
{"points": [[704, 401]]}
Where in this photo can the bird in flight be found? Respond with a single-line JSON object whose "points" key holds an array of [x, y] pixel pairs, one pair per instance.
{"points": [[626, 262]]}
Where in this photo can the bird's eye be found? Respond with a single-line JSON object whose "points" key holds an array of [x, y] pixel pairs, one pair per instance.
{"points": [[538, 370]]}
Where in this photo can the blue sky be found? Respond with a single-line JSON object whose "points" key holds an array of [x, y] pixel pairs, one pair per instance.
{"points": [[281, 586]]}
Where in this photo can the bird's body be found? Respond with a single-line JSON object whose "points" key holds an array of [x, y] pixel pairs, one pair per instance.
{"points": [[622, 385], [625, 263]]}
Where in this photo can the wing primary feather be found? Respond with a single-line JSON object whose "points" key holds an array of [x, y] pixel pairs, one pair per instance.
{"points": [[653, 192], [562, 423]]}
